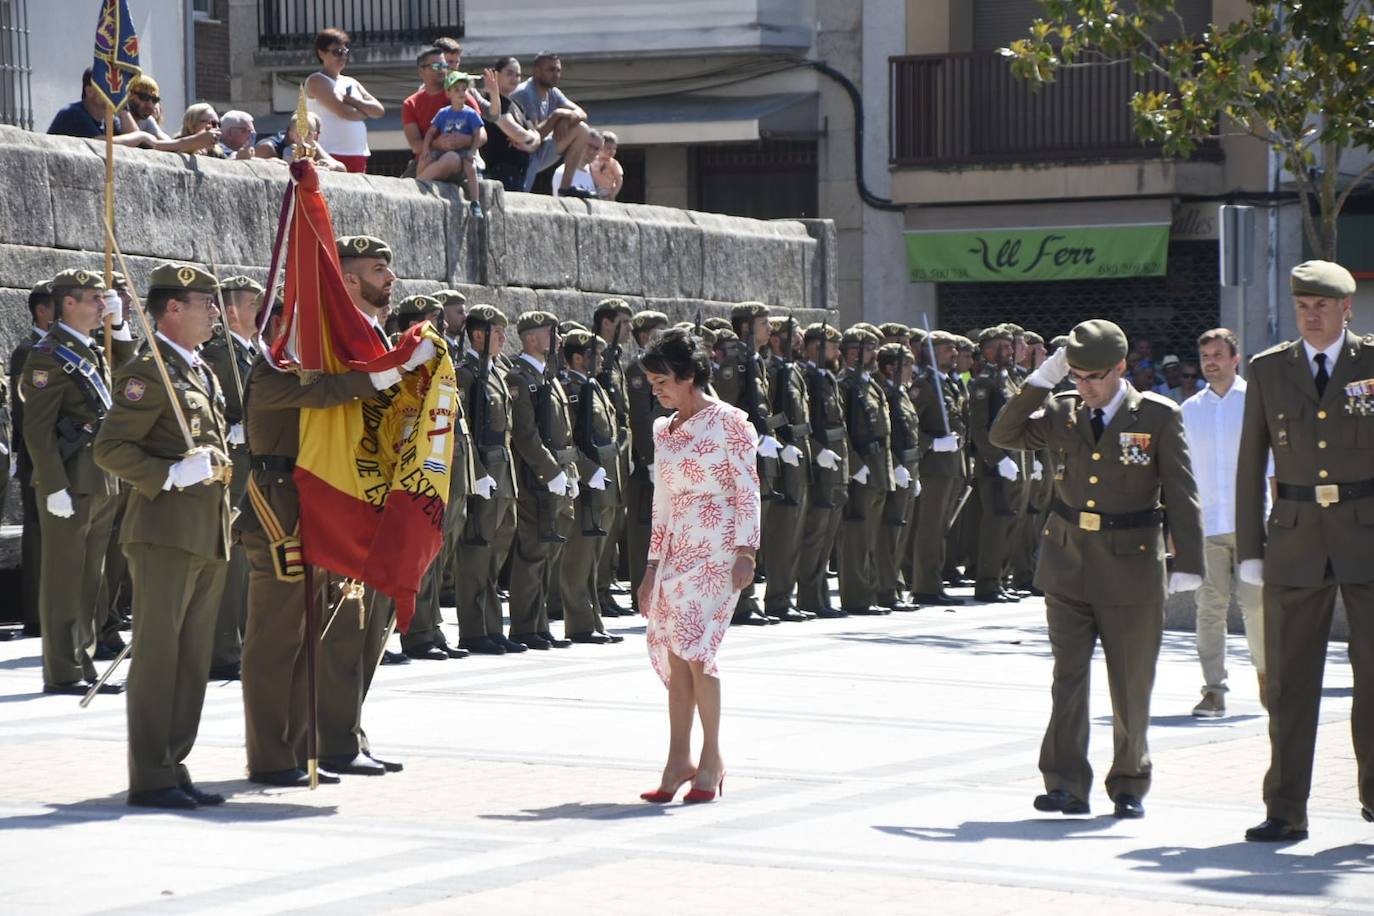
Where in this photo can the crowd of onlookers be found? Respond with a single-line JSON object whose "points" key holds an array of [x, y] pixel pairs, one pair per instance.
{"points": [[460, 127], [1168, 376]]}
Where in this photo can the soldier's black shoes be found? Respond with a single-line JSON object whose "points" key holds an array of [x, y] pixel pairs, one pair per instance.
{"points": [[104, 653], [997, 597], [531, 641], [359, 765], [1274, 830], [229, 672], [789, 615], [870, 611], [589, 638], [391, 766], [394, 658], [611, 637], [899, 605], [451, 651], [1367, 815], [202, 799], [610, 609], [8, 633], [290, 777], [1061, 801], [830, 613], [748, 619], [937, 599], [552, 641], [1128, 806], [426, 650], [170, 797], [483, 645], [79, 688], [511, 645]]}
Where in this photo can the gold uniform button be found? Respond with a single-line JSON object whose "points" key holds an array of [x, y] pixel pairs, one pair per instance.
{"points": [[1322, 474], [1142, 548], [1092, 504], [1321, 443], [1279, 417], [1321, 415], [1092, 479], [1097, 456], [1047, 531]]}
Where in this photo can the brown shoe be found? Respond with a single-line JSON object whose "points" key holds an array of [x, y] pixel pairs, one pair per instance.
{"points": [[1264, 690], [1213, 706]]}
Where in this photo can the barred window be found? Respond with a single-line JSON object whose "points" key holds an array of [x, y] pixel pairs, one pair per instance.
{"points": [[16, 91]]}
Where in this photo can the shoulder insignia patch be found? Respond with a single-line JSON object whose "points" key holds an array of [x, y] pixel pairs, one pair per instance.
{"points": [[637, 381], [727, 372], [980, 393], [134, 389], [39, 377]]}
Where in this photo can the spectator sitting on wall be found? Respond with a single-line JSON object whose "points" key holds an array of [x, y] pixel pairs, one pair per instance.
{"points": [[201, 118], [419, 108], [342, 102], [454, 119], [86, 118], [582, 177], [511, 138], [144, 113], [237, 135], [607, 172], [281, 146], [555, 117]]}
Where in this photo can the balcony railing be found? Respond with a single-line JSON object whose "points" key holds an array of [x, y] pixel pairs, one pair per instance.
{"points": [[287, 24], [960, 109]]}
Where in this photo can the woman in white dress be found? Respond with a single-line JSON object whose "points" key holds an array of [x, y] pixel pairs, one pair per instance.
{"points": [[341, 102]]}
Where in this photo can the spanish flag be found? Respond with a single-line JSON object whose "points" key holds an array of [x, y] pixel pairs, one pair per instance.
{"points": [[372, 475]]}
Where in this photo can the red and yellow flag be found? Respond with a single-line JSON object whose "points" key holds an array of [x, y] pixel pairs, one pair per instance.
{"points": [[372, 475]]}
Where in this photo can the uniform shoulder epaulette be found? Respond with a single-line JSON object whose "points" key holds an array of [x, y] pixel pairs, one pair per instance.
{"points": [[1067, 396], [1159, 400], [1275, 350]]}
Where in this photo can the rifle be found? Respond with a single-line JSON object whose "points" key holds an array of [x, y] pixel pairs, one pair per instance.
{"points": [[478, 416], [935, 374], [547, 516], [785, 405], [585, 440], [758, 416]]}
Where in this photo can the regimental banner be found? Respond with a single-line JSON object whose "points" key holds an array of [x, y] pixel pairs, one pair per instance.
{"points": [[1037, 255], [116, 52]]}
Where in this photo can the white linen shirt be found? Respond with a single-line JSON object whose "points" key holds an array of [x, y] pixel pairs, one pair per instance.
{"points": [[1212, 426]]}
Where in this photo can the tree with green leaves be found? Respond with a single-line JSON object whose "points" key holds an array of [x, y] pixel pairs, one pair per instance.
{"points": [[1295, 74]]}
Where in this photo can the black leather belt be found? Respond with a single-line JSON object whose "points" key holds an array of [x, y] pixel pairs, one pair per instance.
{"points": [[1108, 521], [278, 464], [1327, 494]]}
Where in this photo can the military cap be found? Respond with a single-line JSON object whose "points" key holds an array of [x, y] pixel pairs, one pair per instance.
{"points": [[74, 278], [617, 304], [858, 335], [743, 311], [42, 289], [1014, 329], [486, 315], [723, 335], [777, 324], [363, 246], [996, 332], [963, 343], [870, 328], [1322, 278], [938, 338], [687, 326], [893, 353], [1034, 338], [450, 297], [116, 278], [1096, 345], [822, 331], [417, 305], [182, 277], [535, 319], [918, 335], [240, 282], [568, 325], [718, 323], [578, 340], [1061, 341], [648, 320], [894, 329], [706, 334]]}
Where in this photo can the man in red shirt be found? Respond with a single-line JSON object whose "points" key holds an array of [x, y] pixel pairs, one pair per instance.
{"points": [[419, 109]]}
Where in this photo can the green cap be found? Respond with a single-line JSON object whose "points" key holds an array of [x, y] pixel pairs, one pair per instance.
{"points": [[747, 310], [535, 319], [240, 282], [182, 277], [1322, 278], [578, 340], [723, 336], [893, 354], [706, 334], [939, 338], [996, 332], [1061, 341], [42, 289], [450, 297], [1033, 338], [616, 304], [418, 305], [455, 77], [567, 325], [821, 331], [363, 246], [486, 315], [894, 329], [718, 323], [918, 335], [1015, 330], [1096, 345], [73, 278], [859, 335], [648, 320], [963, 343]]}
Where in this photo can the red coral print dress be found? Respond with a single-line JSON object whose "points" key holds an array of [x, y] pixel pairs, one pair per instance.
{"points": [[706, 504]]}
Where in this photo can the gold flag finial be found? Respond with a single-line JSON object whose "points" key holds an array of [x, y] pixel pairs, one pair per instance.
{"points": [[304, 148]]}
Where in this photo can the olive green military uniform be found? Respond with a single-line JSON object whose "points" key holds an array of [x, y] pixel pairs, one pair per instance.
{"points": [[1318, 540], [899, 507], [177, 542], [1102, 554], [943, 478], [828, 487], [868, 425], [542, 438], [64, 405], [644, 409], [31, 541], [783, 523], [612, 380], [1000, 500]]}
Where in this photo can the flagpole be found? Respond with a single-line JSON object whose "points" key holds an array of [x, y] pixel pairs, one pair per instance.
{"points": [[109, 238]]}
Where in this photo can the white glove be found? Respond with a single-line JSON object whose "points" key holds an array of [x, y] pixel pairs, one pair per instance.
{"points": [[573, 488], [1037, 470], [236, 436], [598, 480], [1052, 371], [791, 455], [862, 475], [559, 485], [903, 476], [422, 354], [60, 504], [385, 379], [917, 490], [1008, 469], [1183, 582], [189, 471], [1252, 572], [945, 444], [828, 460], [768, 447], [111, 306], [485, 487]]}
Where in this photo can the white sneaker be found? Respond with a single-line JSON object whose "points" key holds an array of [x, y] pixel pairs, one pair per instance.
{"points": [[1213, 706]]}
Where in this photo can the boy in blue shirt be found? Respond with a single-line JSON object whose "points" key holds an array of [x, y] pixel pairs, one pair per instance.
{"points": [[454, 118]]}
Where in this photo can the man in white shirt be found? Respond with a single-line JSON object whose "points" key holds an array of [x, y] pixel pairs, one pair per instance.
{"points": [[1212, 421]]}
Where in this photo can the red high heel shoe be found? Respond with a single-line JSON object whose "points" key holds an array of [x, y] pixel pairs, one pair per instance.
{"points": [[661, 797], [701, 796]]}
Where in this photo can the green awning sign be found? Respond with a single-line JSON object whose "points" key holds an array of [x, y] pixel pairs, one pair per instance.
{"points": [[1045, 253]]}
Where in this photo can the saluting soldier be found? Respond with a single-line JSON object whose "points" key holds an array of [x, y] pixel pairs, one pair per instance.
{"points": [[242, 297], [871, 475], [828, 487], [1115, 453], [30, 549], [1000, 474], [895, 367], [782, 531], [1310, 403], [175, 530], [611, 322], [66, 398], [941, 407], [644, 409]]}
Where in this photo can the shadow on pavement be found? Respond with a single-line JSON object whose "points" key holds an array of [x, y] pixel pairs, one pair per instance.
{"points": [[242, 805], [577, 811], [1337, 692], [1191, 721], [23, 661], [1257, 868], [1034, 828], [969, 646]]}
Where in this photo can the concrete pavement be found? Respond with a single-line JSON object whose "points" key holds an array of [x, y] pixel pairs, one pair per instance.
{"points": [[875, 765]]}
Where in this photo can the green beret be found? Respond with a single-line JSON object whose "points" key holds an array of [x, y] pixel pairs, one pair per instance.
{"points": [[231, 284], [486, 315], [777, 324], [723, 335], [870, 328], [450, 297], [568, 325], [577, 340], [1034, 338], [363, 246], [1096, 345], [182, 277], [963, 343], [1061, 341], [648, 320], [746, 310], [821, 331], [891, 353], [1013, 329], [418, 305], [687, 326], [894, 329], [918, 335], [706, 334], [996, 332], [616, 304], [718, 323], [939, 338], [73, 278], [535, 319], [1322, 278], [116, 278], [858, 335], [42, 289]]}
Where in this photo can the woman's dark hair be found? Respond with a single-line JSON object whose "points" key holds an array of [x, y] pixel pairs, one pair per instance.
{"points": [[327, 38], [680, 354]]}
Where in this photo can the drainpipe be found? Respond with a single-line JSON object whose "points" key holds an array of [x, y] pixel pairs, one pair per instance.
{"points": [[189, 43]]}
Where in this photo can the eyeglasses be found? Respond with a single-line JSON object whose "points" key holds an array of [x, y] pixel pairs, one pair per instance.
{"points": [[437, 65], [155, 99], [1079, 378], [339, 52]]}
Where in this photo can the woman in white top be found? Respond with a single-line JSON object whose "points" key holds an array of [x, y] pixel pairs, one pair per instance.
{"points": [[341, 102]]}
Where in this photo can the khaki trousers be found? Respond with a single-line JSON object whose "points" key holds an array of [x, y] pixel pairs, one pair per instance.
{"points": [[73, 567], [639, 511], [1213, 605], [478, 567], [349, 655], [532, 560], [425, 626], [30, 557], [859, 546], [579, 570], [233, 604], [176, 595], [273, 662], [783, 536], [1130, 637], [818, 540], [933, 507], [1001, 503]]}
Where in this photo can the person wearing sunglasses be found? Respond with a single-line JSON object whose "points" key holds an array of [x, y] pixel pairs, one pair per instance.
{"points": [[1118, 457], [420, 107], [202, 121], [341, 102]]}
